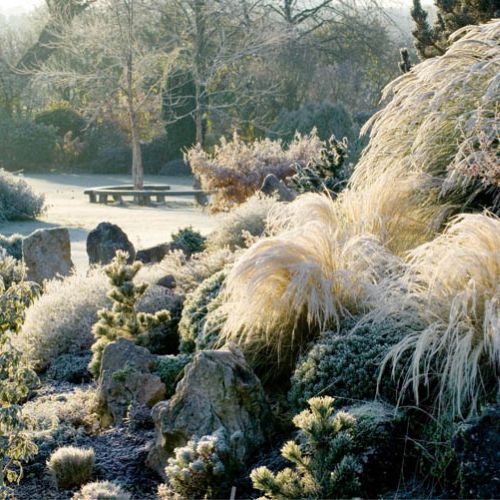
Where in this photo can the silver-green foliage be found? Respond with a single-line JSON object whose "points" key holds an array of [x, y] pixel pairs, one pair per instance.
{"points": [[71, 466], [345, 364], [324, 463], [198, 467], [200, 323]]}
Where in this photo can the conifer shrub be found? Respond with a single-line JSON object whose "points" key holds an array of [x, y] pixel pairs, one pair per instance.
{"points": [[63, 120], [101, 490], [198, 469], [324, 460], [61, 320], [194, 331], [71, 466], [123, 319], [236, 170], [346, 364], [169, 369], [17, 199], [243, 224], [189, 239]]}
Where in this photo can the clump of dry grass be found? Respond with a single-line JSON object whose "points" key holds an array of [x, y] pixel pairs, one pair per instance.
{"points": [[311, 275], [71, 466], [236, 169], [101, 490], [450, 293]]}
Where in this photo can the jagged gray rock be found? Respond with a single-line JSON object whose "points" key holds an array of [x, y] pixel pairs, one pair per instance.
{"points": [[47, 254], [105, 240], [218, 390], [126, 378]]}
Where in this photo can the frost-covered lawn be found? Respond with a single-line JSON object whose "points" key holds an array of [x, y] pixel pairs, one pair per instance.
{"points": [[145, 226]]}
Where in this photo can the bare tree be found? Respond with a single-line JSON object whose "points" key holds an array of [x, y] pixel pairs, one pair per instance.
{"points": [[219, 41], [108, 54]]}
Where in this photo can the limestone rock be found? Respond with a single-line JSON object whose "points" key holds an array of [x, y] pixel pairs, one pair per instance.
{"points": [[477, 445], [272, 186], [47, 254], [218, 390], [105, 240], [126, 378]]}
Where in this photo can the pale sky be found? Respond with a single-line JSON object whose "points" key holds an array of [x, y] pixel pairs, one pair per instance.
{"points": [[17, 6]]}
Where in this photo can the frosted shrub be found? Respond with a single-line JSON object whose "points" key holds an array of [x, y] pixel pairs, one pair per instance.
{"points": [[17, 199], [189, 273], [346, 364], [236, 169], [242, 224], [324, 465], [101, 490], [13, 245], [197, 468], [71, 466], [61, 320], [194, 332]]}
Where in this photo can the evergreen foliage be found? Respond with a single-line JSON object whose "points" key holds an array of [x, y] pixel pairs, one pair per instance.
{"points": [[123, 320], [197, 468], [193, 241], [346, 364], [179, 104], [327, 172], [196, 333], [324, 463], [169, 368], [431, 41], [16, 376]]}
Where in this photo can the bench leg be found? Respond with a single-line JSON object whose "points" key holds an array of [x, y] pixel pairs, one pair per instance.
{"points": [[103, 198], [160, 198], [118, 198], [92, 198]]}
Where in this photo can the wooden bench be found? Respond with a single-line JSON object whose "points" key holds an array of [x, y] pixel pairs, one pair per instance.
{"points": [[142, 197]]}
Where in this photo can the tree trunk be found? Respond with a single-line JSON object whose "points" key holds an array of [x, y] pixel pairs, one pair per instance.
{"points": [[137, 167], [198, 119]]}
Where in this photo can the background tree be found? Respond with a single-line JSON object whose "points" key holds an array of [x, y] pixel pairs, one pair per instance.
{"points": [[431, 41], [111, 55]]}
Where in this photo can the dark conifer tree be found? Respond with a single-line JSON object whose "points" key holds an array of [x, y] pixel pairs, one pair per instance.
{"points": [[431, 41]]}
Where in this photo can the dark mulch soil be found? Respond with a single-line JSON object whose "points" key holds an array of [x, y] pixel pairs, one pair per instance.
{"points": [[120, 455]]}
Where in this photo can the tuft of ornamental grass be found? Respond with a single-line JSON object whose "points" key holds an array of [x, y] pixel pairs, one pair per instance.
{"points": [[71, 466], [451, 290], [441, 121], [305, 279], [327, 256], [101, 490]]}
